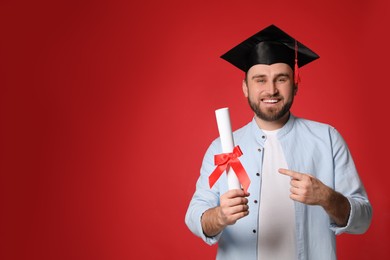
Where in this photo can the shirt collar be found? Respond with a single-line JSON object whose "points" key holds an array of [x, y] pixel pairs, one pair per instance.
{"points": [[261, 136]]}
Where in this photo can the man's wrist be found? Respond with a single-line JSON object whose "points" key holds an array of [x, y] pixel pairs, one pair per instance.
{"points": [[211, 222]]}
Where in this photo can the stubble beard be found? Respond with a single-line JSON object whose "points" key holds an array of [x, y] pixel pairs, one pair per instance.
{"points": [[270, 114]]}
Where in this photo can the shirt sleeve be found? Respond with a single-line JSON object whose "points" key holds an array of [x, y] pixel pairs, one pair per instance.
{"points": [[348, 183], [204, 198]]}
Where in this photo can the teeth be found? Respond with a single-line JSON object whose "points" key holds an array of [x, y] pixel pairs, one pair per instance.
{"points": [[270, 101]]}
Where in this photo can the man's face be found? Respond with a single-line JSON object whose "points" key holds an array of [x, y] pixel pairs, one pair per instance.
{"points": [[270, 90]]}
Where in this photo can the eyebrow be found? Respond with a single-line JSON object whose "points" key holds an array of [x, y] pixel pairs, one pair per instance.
{"points": [[258, 76], [282, 74]]}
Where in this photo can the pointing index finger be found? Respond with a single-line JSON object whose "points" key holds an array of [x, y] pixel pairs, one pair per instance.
{"points": [[292, 174]]}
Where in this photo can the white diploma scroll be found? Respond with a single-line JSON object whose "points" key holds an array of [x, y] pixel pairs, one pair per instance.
{"points": [[227, 142]]}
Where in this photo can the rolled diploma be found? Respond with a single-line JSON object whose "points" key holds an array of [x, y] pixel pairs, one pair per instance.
{"points": [[227, 142]]}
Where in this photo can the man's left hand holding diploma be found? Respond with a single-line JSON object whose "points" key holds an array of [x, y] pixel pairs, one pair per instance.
{"points": [[233, 206]]}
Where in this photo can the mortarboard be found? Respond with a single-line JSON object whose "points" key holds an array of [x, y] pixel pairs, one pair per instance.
{"points": [[270, 45]]}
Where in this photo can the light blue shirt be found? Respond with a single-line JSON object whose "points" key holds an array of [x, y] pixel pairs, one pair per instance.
{"points": [[309, 147]]}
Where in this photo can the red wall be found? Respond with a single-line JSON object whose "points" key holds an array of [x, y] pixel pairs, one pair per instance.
{"points": [[107, 108]]}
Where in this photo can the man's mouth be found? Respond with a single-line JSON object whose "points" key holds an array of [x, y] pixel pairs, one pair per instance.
{"points": [[270, 100]]}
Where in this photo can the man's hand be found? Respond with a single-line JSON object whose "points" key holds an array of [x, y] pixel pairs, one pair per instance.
{"points": [[233, 206], [309, 190]]}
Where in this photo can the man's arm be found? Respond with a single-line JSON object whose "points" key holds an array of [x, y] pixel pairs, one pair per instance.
{"points": [[233, 206], [337, 206], [311, 191]]}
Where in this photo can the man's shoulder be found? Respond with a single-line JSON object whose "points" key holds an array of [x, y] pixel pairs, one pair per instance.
{"points": [[312, 124], [242, 131], [306, 127]]}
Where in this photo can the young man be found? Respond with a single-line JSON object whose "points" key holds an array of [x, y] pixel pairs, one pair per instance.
{"points": [[304, 185]]}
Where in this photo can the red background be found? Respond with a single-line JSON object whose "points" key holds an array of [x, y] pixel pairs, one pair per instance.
{"points": [[107, 108]]}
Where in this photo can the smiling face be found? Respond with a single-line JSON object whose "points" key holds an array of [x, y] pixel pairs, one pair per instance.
{"points": [[270, 91]]}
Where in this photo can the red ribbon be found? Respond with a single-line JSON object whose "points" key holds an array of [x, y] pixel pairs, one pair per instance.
{"points": [[224, 160]]}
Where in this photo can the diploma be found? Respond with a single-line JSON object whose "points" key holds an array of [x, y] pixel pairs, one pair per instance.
{"points": [[227, 143]]}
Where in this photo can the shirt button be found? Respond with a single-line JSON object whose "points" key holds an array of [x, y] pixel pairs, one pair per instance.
{"points": [[254, 230], [259, 149], [263, 136], [255, 201], [257, 174]]}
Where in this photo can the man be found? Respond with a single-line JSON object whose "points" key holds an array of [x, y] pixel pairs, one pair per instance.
{"points": [[304, 185]]}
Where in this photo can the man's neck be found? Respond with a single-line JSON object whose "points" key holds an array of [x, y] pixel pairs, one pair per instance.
{"points": [[272, 125]]}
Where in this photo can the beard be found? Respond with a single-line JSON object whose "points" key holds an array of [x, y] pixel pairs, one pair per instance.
{"points": [[269, 114]]}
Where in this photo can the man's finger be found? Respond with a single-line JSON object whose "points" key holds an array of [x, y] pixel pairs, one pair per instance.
{"points": [[292, 174], [236, 193]]}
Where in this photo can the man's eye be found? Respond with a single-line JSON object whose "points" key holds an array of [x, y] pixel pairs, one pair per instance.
{"points": [[282, 79], [260, 80]]}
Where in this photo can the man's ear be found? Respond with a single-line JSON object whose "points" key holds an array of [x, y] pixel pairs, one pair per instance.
{"points": [[245, 88], [295, 89]]}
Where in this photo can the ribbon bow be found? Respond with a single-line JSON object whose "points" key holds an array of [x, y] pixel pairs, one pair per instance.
{"points": [[224, 160]]}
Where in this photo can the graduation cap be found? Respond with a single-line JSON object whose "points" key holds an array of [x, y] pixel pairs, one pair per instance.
{"points": [[270, 45]]}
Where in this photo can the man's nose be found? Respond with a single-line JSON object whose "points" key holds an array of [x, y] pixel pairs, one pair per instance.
{"points": [[271, 88]]}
